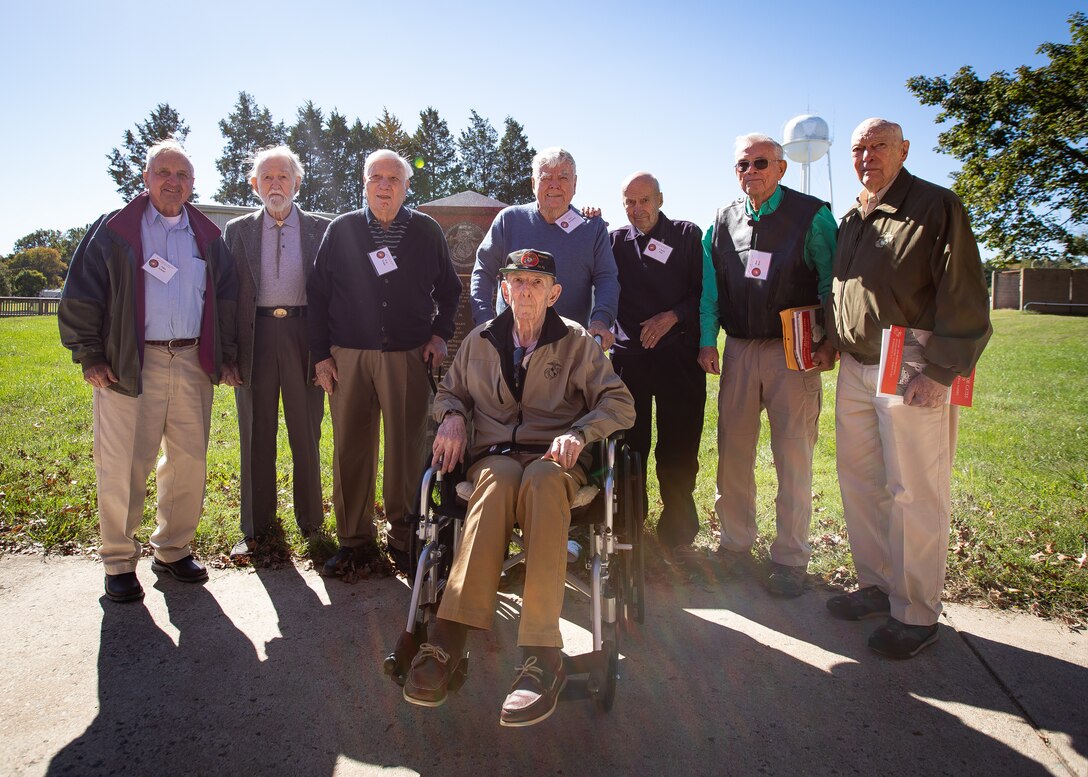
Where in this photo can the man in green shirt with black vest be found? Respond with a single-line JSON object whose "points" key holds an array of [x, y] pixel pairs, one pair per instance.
{"points": [[767, 251]]}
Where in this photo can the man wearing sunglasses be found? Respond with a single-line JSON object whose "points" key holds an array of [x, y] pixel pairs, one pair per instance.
{"points": [[767, 251]]}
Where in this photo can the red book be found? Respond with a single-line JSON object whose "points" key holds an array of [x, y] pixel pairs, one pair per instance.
{"points": [[902, 356]]}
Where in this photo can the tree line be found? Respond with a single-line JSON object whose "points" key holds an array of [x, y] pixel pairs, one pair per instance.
{"points": [[332, 150]]}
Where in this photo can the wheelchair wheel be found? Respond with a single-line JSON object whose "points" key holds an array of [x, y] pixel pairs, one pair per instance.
{"points": [[602, 680], [633, 562]]}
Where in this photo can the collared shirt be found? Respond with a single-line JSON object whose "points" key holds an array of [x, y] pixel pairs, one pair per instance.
{"points": [[174, 309], [388, 238], [868, 205], [819, 254], [283, 283]]}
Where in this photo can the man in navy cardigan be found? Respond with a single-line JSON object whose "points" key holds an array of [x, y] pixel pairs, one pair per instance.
{"points": [[382, 298]]}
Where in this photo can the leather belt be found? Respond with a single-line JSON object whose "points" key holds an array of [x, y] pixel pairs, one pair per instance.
{"points": [[284, 311], [183, 342]]}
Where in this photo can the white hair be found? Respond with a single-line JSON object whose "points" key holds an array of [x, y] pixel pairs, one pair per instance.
{"points": [[164, 145], [276, 152], [553, 156], [385, 154], [751, 139]]}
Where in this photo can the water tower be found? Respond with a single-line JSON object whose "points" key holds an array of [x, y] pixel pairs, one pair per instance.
{"points": [[806, 139]]}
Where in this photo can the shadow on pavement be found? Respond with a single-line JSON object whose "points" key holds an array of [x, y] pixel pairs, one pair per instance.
{"points": [[720, 680]]}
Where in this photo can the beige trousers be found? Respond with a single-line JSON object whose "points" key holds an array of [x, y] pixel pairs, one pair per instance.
{"points": [[895, 474], [536, 494], [174, 410], [377, 387], [754, 377]]}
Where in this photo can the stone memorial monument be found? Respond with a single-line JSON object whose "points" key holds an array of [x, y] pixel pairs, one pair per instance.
{"points": [[465, 218]]}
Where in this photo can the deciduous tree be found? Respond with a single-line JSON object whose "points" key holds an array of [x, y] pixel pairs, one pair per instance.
{"points": [[28, 283], [1023, 142], [44, 261]]}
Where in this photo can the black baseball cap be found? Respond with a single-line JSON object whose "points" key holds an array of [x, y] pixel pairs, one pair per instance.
{"points": [[530, 260]]}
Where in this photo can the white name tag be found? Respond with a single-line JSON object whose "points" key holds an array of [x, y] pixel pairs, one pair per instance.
{"points": [[159, 268], [759, 265], [383, 261], [655, 249], [570, 221]]}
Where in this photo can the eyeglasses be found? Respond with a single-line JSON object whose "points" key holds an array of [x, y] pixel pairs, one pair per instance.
{"points": [[759, 164]]}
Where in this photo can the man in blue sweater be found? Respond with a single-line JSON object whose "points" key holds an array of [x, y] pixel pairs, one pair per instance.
{"points": [[585, 267]]}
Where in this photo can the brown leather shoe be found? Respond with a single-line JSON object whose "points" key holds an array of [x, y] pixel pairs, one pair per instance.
{"points": [[535, 692], [429, 679]]}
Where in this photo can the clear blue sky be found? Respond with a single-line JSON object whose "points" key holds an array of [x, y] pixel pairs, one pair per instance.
{"points": [[663, 86]]}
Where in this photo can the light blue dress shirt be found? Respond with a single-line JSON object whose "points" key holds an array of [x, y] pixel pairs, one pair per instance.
{"points": [[172, 310]]}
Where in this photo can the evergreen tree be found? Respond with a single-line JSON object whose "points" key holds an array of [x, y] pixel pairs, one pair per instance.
{"points": [[247, 129], [478, 150], [434, 155], [307, 139], [515, 164], [389, 133], [126, 166], [338, 164], [361, 141]]}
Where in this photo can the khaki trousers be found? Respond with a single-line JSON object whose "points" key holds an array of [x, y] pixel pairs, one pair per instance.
{"points": [[374, 388], [174, 410], [537, 495], [895, 474], [754, 377]]}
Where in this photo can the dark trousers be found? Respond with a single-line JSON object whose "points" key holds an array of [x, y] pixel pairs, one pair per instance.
{"points": [[673, 377], [280, 354]]}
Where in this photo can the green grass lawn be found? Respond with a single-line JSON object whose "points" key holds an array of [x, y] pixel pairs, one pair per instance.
{"points": [[1020, 481]]}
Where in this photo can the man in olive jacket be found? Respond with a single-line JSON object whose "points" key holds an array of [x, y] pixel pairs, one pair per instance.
{"points": [[148, 312], [906, 256]]}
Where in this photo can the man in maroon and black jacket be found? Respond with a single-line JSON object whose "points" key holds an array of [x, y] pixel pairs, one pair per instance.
{"points": [[148, 311]]}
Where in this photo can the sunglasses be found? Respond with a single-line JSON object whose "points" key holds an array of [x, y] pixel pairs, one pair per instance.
{"points": [[759, 164]]}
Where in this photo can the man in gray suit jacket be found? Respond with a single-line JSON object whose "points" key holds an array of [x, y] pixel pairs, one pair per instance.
{"points": [[274, 252]]}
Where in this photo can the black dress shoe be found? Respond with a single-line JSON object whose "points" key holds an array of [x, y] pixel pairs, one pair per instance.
{"points": [[124, 587], [187, 570]]}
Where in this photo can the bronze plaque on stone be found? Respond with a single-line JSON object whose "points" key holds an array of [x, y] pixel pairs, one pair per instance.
{"points": [[465, 219]]}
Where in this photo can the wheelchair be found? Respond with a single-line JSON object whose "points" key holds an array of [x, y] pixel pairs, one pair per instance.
{"points": [[606, 514]]}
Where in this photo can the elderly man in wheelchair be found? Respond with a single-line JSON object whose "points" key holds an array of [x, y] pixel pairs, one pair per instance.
{"points": [[536, 389]]}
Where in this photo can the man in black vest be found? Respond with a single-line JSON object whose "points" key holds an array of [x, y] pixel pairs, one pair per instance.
{"points": [[765, 252]]}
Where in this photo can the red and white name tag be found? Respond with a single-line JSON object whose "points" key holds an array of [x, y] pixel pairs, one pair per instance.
{"points": [[383, 261], [759, 265], [160, 269], [655, 249], [570, 221]]}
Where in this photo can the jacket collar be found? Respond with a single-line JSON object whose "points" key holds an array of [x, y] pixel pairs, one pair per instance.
{"points": [[499, 331], [125, 223]]}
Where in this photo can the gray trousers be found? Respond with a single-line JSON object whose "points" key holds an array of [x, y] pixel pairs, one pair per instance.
{"points": [[280, 354]]}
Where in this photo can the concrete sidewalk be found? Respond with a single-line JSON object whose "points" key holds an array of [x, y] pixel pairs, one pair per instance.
{"points": [[277, 672]]}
